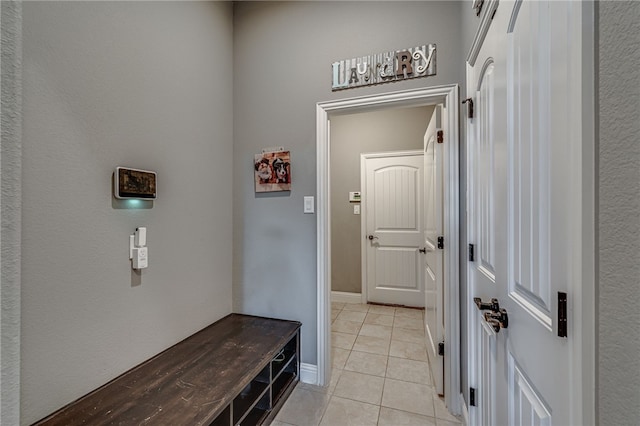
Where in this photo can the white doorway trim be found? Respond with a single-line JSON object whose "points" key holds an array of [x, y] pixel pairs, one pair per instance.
{"points": [[448, 96], [363, 209]]}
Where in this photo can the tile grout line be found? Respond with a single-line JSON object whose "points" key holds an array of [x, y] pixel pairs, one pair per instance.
{"points": [[324, 411]]}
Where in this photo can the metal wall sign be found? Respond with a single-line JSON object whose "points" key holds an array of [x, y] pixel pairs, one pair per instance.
{"points": [[384, 67]]}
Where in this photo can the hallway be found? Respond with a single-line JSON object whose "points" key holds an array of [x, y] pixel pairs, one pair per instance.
{"points": [[380, 374]]}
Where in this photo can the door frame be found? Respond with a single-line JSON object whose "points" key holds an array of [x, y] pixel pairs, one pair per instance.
{"points": [[448, 95], [363, 209]]}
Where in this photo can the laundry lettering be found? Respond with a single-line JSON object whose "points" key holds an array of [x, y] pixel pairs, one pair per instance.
{"points": [[384, 67]]}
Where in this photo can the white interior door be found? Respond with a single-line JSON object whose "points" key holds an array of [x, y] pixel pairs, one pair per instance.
{"points": [[520, 181], [434, 265], [393, 200]]}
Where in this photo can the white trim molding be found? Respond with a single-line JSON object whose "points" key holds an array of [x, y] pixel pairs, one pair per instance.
{"points": [[346, 297], [308, 373], [584, 313], [465, 410], [481, 32], [448, 96]]}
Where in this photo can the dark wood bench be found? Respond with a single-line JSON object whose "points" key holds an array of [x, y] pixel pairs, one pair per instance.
{"points": [[239, 370]]}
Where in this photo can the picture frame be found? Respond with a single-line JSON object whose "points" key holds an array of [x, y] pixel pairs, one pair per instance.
{"points": [[272, 171]]}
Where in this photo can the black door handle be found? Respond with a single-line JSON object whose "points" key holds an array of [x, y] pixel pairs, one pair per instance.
{"points": [[497, 320], [493, 305], [496, 317]]}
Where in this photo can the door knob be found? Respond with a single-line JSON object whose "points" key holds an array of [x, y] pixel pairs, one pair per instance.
{"points": [[372, 237]]}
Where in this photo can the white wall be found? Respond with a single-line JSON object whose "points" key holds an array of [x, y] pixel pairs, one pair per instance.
{"points": [[140, 84], [351, 135], [619, 208], [282, 68]]}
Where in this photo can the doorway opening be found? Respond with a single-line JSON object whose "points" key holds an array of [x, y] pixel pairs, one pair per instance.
{"points": [[371, 153], [447, 96]]}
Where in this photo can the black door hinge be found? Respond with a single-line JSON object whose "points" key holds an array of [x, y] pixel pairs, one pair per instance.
{"points": [[472, 397], [441, 243], [440, 136], [441, 348], [562, 314], [469, 107], [478, 7], [472, 257]]}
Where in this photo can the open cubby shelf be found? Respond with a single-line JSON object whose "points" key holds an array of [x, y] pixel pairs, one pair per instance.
{"points": [[262, 396]]}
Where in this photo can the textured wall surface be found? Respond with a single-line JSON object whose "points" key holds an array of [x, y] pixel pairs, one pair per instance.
{"points": [[138, 84], [619, 209], [352, 135], [282, 68], [10, 205]]}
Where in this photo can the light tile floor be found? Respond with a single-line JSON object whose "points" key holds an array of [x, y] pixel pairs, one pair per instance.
{"points": [[380, 374]]}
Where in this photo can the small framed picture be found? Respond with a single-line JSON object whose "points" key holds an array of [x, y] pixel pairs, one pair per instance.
{"points": [[272, 171]]}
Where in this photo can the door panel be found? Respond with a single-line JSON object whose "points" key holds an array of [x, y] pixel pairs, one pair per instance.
{"points": [[520, 180], [397, 268], [539, 209], [527, 404], [395, 193], [434, 282], [393, 209], [485, 172], [485, 398], [487, 230], [529, 76]]}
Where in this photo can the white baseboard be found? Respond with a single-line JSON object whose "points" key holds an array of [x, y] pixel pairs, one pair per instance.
{"points": [[309, 373], [345, 297], [465, 411]]}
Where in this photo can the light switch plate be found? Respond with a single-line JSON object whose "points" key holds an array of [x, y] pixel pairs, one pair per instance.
{"points": [[356, 209], [308, 205]]}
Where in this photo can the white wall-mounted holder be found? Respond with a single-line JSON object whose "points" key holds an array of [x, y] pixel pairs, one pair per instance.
{"points": [[273, 149], [138, 252]]}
